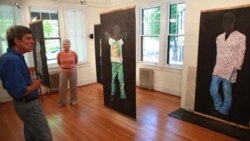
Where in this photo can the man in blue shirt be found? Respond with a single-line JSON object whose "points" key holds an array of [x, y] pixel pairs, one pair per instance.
{"points": [[17, 81]]}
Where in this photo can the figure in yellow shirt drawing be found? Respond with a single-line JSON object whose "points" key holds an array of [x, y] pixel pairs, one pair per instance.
{"points": [[116, 41]]}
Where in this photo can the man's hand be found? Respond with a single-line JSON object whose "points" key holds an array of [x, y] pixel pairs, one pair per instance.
{"points": [[107, 35], [36, 84], [124, 36]]}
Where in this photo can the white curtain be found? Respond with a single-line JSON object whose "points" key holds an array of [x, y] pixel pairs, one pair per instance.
{"points": [[9, 15], [75, 31]]}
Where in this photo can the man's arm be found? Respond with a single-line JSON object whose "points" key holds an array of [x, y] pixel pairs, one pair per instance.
{"points": [[58, 58], [76, 57], [124, 35], [107, 35], [14, 80], [241, 52]]}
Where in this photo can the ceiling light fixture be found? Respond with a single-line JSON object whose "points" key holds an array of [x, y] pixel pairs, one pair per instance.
{"points": [[18, 5], [82, 2]]}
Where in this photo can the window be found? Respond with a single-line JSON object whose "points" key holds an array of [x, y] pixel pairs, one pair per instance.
{"points": [[162, 48], [175, 36], [9, 15], [51, 32], [150, 32], [75, 31]]}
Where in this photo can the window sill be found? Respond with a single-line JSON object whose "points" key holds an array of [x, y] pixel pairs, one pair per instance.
{"points": [[167, 68], [173, 68], [83, 65], [53, 66]]}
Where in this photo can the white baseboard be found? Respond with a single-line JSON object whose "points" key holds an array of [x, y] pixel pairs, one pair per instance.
{"points": [[167, 90], [164, 89], [86, 82]]}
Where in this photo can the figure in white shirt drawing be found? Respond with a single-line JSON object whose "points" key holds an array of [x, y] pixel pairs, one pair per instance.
{"points": [[116, 41], [230, 48]]}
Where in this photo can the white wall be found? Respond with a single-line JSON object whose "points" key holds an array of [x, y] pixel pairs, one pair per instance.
{"points": [[88, 73], [192, 24]]}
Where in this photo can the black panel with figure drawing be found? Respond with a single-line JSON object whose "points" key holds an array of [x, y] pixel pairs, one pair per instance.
{"points": [[98, 51], [222, 86], [118, 60], [39, 52]]}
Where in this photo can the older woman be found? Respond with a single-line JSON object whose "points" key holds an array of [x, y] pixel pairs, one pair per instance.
{"points": [[67, 61]]}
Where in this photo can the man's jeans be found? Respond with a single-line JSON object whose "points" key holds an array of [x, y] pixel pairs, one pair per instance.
{"points": [[35, 123], [220, 105]]}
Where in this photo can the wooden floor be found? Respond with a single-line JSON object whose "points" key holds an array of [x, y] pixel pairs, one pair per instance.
{"points": [[92, 121]]}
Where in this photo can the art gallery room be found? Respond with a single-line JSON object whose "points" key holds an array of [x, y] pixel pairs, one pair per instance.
{"points": [[130, 70]]}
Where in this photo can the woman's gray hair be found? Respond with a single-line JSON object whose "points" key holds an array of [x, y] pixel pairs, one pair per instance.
{"points": [[66, 41]]}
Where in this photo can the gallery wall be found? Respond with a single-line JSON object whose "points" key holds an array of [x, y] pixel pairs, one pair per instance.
{"points": [[165, 79], [169, 80]]}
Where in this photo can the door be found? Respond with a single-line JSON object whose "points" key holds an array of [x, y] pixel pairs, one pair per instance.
{"points": [[98, 53]]}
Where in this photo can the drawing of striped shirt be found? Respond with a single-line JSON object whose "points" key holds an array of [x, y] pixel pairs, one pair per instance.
{"points": [[230, 55]]}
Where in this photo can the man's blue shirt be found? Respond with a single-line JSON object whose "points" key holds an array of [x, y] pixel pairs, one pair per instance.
{"points": [[14, 74]]}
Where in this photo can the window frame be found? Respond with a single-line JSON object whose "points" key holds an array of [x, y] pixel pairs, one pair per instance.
{"points": [[163, 37], [41, 10], [141, 35], [167, 35], [62, 28], [14, 19], [66, 35]]}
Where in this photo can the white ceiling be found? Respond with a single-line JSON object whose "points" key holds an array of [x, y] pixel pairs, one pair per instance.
{"points": [[78, 0], [73, 1]]}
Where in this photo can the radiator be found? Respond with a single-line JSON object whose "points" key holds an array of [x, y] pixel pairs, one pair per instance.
{"points": [[146, 78], [54, 81]]}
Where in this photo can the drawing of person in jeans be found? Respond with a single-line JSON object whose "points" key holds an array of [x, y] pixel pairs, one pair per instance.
{"points": [[230, 48]]}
